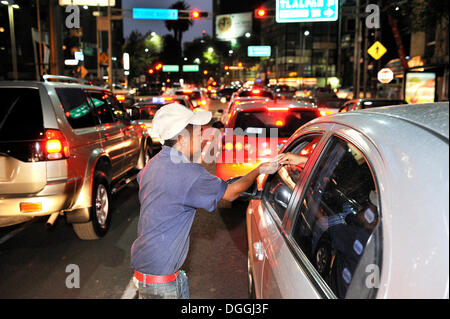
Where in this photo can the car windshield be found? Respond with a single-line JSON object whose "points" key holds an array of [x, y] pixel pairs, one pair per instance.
{"points": [[286, 122]]}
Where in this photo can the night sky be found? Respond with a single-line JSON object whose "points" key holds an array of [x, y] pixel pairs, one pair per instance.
{"points": [[143, 26]]}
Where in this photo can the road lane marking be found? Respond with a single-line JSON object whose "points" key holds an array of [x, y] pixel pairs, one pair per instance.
{"points": [[13, 233], [130, 292]]}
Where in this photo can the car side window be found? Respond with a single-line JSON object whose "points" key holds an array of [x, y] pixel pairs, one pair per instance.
{"points": [[280, 186], [102, 107], [338, 215], [117, 109], [76, 107]]}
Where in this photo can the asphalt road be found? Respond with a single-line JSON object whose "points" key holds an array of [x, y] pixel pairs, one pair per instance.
{"points": [[37, 263]]}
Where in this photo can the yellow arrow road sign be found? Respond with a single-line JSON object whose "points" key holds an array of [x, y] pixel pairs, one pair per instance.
{"points": [[377, 50]]}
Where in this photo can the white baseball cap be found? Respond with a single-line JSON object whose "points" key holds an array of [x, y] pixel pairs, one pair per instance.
{"points": [[172, 118]]}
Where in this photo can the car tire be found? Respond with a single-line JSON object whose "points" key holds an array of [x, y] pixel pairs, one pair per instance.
{"points": [[323, 256], [100, 211]]}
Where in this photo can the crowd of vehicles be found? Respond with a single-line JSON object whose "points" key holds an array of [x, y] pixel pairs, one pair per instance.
{"points": [[313, 229]]}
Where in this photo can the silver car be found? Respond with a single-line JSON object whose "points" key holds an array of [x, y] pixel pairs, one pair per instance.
{"points": [[64, 149], [367, 216]]}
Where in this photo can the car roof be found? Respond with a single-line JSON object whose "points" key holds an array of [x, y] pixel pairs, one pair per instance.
{"points": [[431, 116], [50, 84]]}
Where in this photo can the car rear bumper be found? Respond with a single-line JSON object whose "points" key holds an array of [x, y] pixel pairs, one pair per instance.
{"points": [[55, 197]]}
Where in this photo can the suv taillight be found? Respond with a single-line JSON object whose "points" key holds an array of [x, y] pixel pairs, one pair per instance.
{"points": [[55, 145]]}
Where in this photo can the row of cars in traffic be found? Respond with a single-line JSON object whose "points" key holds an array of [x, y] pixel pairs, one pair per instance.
{"points": [[365, 214]]}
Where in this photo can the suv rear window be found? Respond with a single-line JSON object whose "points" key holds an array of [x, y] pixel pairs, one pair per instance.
{"points": [[78, 111], [287, 122], [21, 116]]}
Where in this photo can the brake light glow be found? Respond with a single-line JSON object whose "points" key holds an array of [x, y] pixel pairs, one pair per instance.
{"points": [[279, 123], [229, 146], [325, 113], [168, 98], [55, 145], [120, 98], [256, 91], [187, 91], [203, 102], [278, 109]]}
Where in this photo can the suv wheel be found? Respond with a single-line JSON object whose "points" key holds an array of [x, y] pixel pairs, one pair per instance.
{"points": [[100, 217]]}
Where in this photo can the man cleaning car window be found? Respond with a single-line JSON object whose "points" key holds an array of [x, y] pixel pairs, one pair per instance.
{"points": [[171, 187]]}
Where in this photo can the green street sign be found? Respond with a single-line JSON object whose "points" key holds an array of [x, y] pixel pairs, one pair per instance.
{"points": [[171, 68], [258, 50], [191, 68]]}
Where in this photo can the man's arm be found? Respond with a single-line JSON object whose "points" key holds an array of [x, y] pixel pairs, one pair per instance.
{"points": [[235, 189]]}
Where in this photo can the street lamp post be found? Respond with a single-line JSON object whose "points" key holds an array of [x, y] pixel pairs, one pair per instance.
{"points": [[11, 7]]}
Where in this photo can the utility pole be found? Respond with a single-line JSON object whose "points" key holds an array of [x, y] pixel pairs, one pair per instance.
{"points": [[110, 70], [357, 53], [366, 40], [13, 41]]}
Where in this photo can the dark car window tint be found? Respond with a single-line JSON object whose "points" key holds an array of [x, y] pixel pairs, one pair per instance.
{"points": [[76, 107], [338, 215], [286, 122], [102, 107], [20, 114], [279, 187]]}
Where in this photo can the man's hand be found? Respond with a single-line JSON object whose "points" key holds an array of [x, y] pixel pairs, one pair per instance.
{"points": [[291, 159], [269, 167]]}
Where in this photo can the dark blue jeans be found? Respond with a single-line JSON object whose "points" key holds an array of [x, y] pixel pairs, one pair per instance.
{"points": [[177, 289]]}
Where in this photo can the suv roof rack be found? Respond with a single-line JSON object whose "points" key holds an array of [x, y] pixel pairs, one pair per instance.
{"points": [[65, 79]]}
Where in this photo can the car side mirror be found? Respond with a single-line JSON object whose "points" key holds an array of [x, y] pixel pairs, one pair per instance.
{"points": [[251, 193], [217, 125]]}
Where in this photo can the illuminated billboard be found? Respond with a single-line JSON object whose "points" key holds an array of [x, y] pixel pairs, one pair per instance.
{"points": [[420, 87], [90, 3], [232, 26]]}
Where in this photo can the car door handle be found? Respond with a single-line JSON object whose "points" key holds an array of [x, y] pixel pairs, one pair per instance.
{"points": [[259, 250]]}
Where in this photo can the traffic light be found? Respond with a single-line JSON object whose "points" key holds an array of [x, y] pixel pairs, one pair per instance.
{"points": [[195, 14], [158, 66], [205, 72], [260, 12], [150, 71], [226, 67]]}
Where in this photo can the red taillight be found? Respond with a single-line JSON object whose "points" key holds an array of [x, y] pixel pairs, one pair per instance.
{"points": [[271, 109], [120, 98], [325, 113], [279, 123], [55, 145], [256, 92]]}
